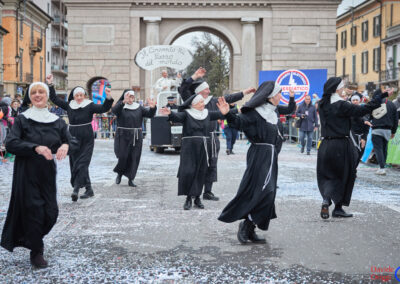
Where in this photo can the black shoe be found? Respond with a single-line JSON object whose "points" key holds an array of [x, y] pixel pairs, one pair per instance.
{"points": [[244, 230], [188, 203], [325, 211], [197, 203], [231, 152], [37, 259], [210, 196], [130, 183], [228, 152], [302, 150], [308, 153], [74, 195], [118, 179], [88, 193], [253, 236], [340, 213]]}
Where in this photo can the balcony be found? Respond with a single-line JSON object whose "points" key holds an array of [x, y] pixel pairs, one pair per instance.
{"points": [[60, 21], [61, 70], [34, 48], [350, 81], [389, 75]]}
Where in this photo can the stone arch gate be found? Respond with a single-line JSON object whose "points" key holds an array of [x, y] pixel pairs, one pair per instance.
{"points": [[105, 35]]}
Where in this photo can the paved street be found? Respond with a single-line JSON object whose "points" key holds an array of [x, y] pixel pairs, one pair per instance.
{"points": [[140, 235]]}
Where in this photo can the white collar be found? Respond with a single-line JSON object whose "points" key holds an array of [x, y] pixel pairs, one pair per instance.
{"points": [[41, 115], [132, 106], [206, 101], [267, 111], [197, 114], [336, 98], [74, 105]]}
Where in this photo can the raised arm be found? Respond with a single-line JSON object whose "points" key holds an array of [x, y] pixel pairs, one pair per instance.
{"points": [[177, 116], [16, 145], [239, 122], [184, 89], [289, 109], [117, 109], [56, 100], [215, 115], [232, 98]]}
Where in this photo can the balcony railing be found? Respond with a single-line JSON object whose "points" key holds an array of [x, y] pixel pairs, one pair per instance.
{"points": [[390, 75]]}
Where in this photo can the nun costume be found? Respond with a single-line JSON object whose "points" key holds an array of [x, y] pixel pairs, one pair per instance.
{"points": [[337, 156], [255, 198], [80, 117], [36, 138], [194, 156], [129, 137], [188, 87]]}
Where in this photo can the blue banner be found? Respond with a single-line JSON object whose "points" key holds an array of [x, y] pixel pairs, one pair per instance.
{"points": [[304, 82]]}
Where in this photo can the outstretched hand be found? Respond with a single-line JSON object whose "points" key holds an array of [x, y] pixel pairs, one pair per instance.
{"points": [[108, 93], [165, 111], [291, 92], [49, 79], [151, 102], [248, 91], [200, 73], [223, 106]]}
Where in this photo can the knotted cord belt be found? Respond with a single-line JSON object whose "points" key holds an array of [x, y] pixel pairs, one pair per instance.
{"points": [[204, 143], [135, 133], [268, 178]]}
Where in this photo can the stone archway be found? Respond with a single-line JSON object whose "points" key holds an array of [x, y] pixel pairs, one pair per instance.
{"points": [[218, 30]]}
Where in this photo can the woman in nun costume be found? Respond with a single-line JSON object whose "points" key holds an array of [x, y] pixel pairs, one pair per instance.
{"points": [[337, 156], [190, 85], [255, 199], [80, 115], [36, 139], [129, 137], [359, 128], [194, 161]]}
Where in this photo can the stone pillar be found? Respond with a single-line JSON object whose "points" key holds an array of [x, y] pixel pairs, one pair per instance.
{"points": [[266, 44], [152, 38], [248, 72]]}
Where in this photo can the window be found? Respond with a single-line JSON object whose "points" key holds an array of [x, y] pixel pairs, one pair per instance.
{"points": [[48, 8], [344, 39], [337, 42], [21, 64], [344, 67], [353, 69], [364, 62], [391, 15], [364, 31], [21, 28], [41, 69], [31, 34], [377, 26], [48, 56], [353, 35], [377, 59]]}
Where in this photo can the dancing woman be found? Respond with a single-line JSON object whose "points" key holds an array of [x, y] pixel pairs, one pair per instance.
{"points": [[255, 199], [129, 137], [80, 112], [36, 138], [337, 156], [195, 147]]}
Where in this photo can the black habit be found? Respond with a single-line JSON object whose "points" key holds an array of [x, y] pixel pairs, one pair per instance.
{"points": [[33, 208], [80, 127], [129, 138], [195, 150], [185, 91], [337, 156]]}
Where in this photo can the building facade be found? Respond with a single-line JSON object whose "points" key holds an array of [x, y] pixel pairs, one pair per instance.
{"points": [[24, 45], [3, 32], [104, 36], [362, 37]]}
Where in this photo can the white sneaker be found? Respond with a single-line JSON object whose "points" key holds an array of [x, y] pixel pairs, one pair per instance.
{"points": [[381, 172]]}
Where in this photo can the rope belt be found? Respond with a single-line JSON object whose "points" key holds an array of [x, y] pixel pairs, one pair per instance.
{"points": [[214, 153], [76, 125], [268, 178], [135, 133], [204, 143], [357, 145]]}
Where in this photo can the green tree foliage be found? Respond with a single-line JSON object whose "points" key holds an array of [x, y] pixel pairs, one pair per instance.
{"points": [[211, 53]]}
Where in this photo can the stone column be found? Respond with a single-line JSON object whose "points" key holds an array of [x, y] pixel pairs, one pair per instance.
{"points": [[248, 72], [152, 38]]}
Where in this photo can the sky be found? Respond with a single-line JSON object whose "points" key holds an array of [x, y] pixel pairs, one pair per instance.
{"points": [[343, 7]]}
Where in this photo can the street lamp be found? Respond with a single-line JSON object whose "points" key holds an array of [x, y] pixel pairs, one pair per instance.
{"points": [[17, 58]]}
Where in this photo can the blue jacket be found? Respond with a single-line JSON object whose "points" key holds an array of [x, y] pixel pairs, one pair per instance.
{"points": [[310, 121]]}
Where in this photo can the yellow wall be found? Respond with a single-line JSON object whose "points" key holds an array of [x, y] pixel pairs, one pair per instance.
{"points": [[9, 46], [361, 15]]}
